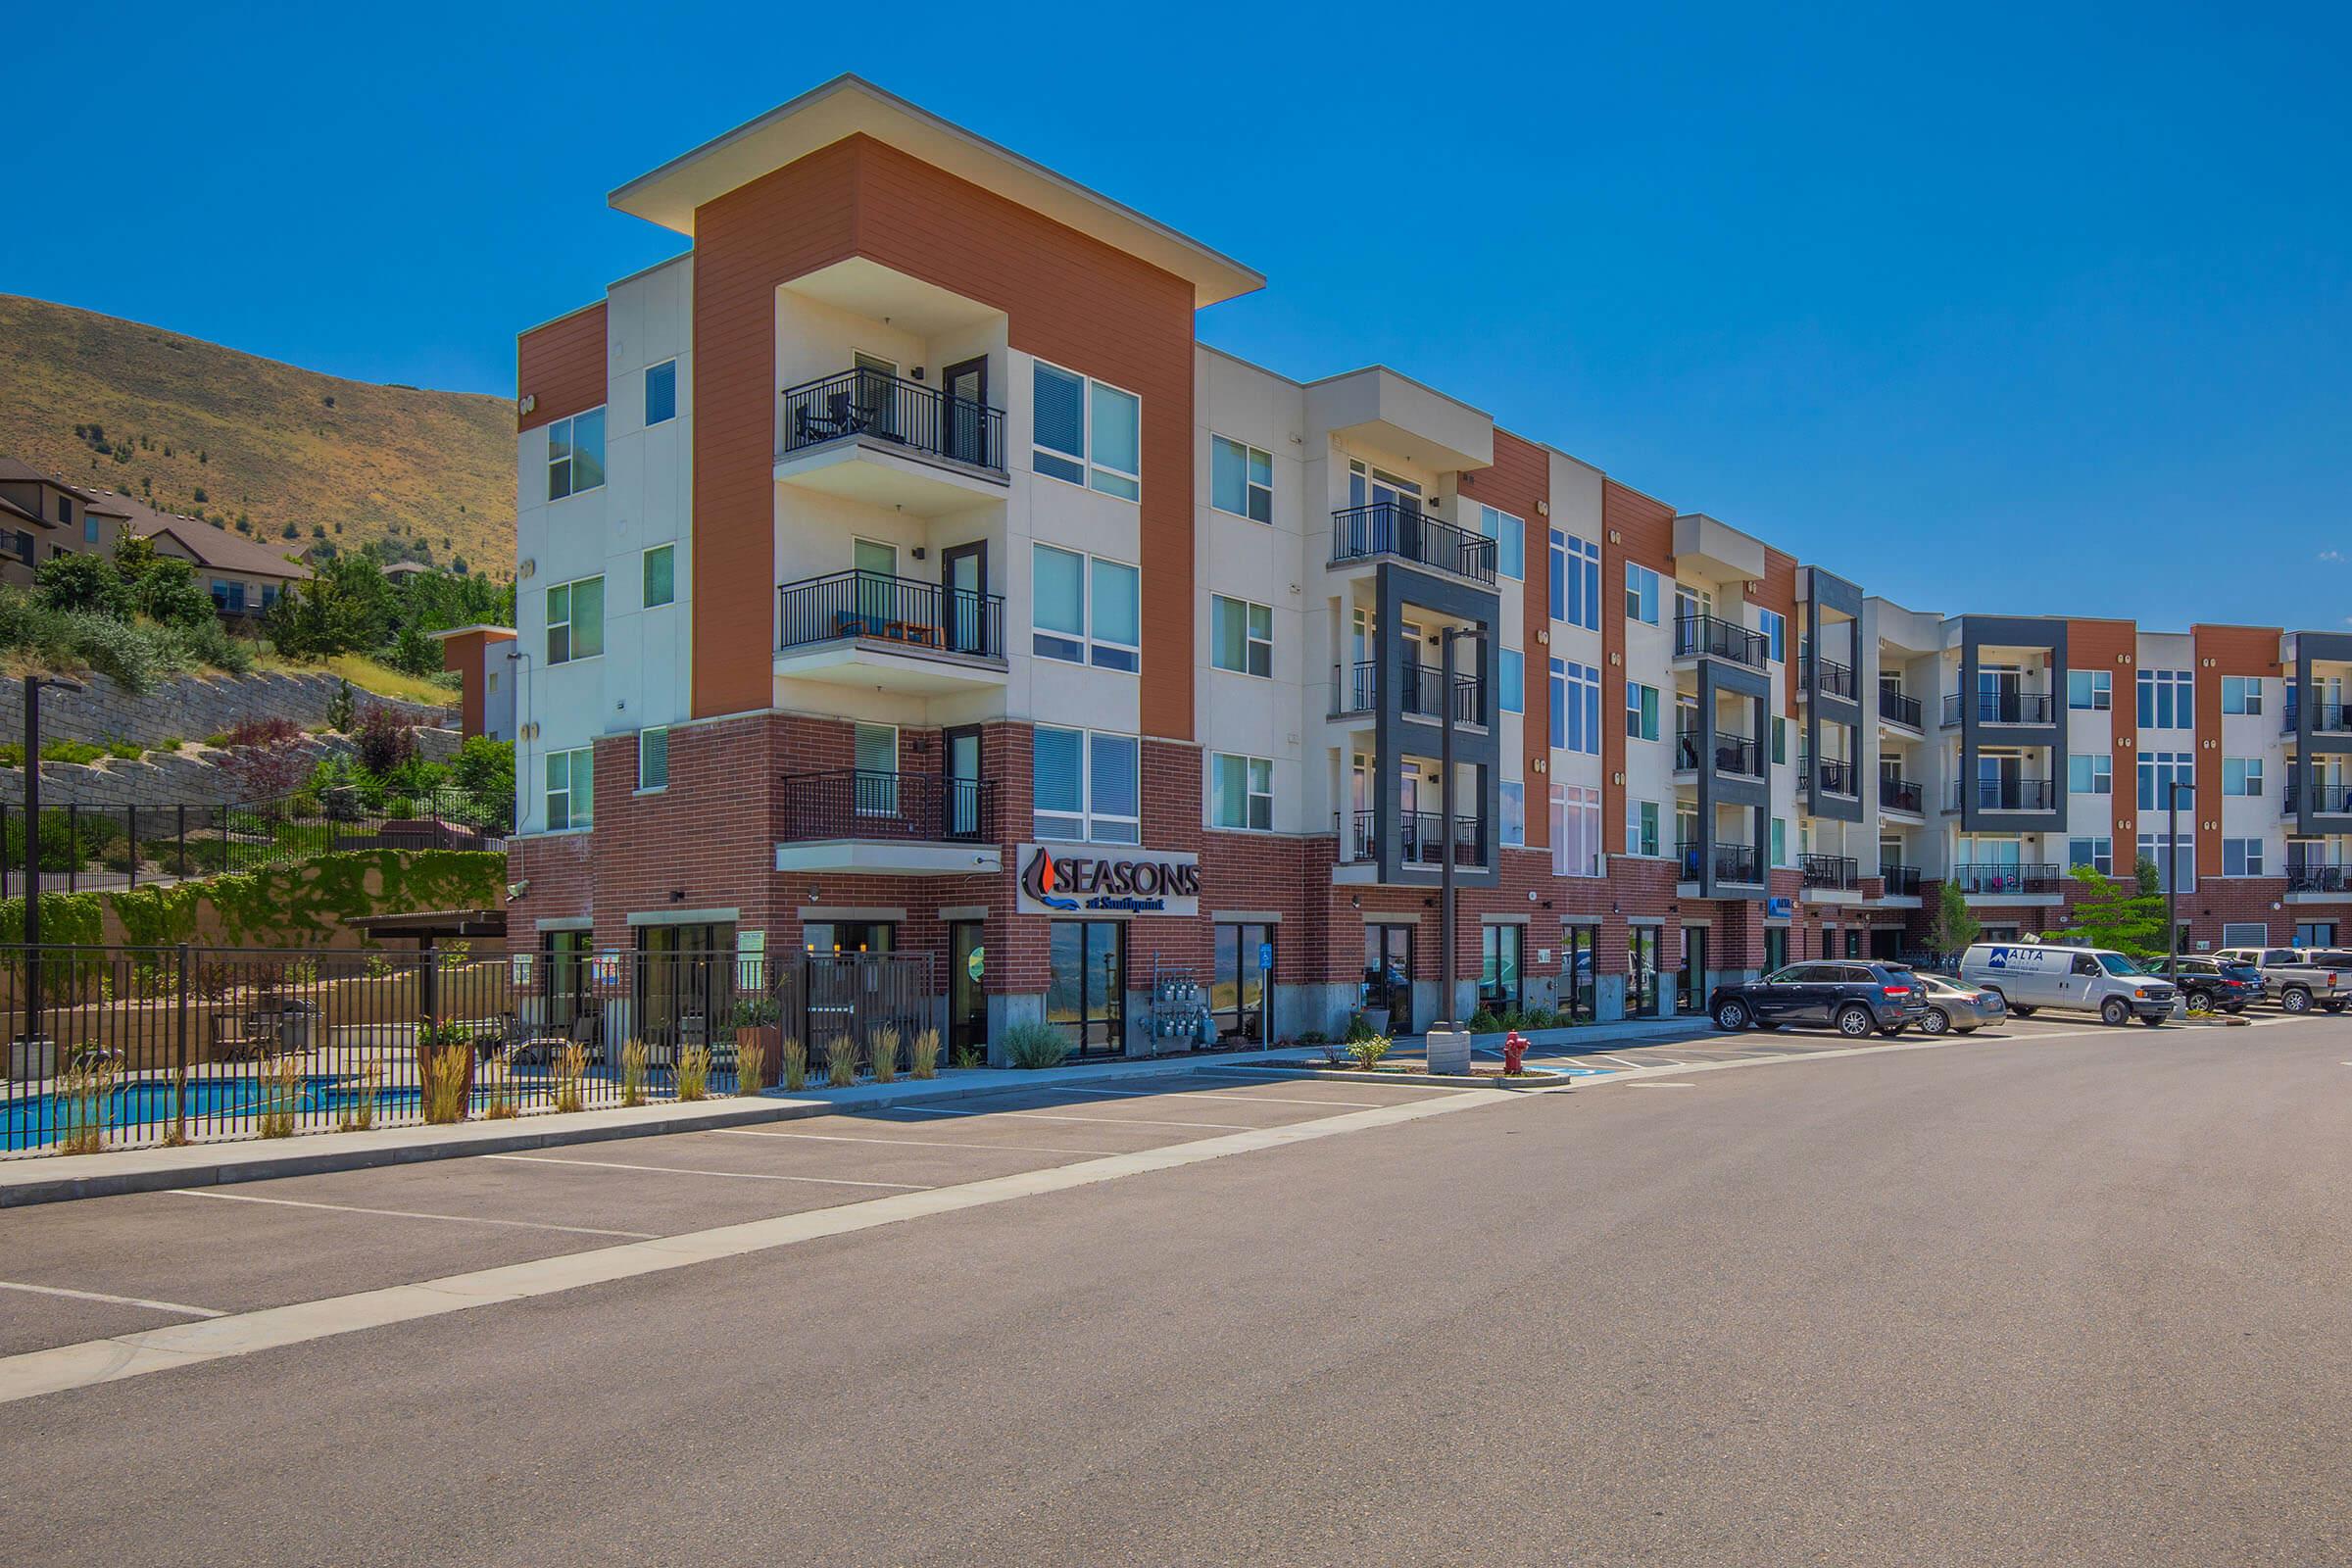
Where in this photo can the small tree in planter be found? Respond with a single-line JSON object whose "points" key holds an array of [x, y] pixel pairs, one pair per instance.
{"points": [[757, 1039]]}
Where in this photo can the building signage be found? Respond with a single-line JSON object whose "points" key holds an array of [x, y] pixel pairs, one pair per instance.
{"points": [[1779, 908], [1073, 879]]}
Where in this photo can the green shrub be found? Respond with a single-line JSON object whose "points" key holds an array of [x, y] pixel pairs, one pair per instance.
{"points": [[125, 751], [1483, 1022], [1368, 1050], [84, 584], [81, 751], [1359, 1028], [1035, 1045]]}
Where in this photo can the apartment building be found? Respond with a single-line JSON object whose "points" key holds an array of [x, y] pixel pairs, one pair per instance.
{"points": [[899, 572]]}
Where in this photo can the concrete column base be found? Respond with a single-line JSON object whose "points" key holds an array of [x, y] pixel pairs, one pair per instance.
{"points": [[1448, 1051]]}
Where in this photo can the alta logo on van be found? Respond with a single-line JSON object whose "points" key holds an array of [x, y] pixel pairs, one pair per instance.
{"points": [[1138, 883]]}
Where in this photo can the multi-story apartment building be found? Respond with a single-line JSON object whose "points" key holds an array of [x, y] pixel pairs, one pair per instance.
{"points": [[899, 571]]}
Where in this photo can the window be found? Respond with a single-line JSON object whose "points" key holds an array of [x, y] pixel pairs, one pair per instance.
{"points": [[1241, 479], [1641, 827], [1780, 742], [1575, 580], [662, 392], [661, 575], [1641, 711], [1514, 826], [1641, 594], [89, 527], [1070, 593], [1510, 671], [65, 511], [576, 455], [1088, 432], [1575, 847], [2241, 775], [2241, 857], [1241, 636], [571, 789], [2090, 773], [1240, 793], [2092, 690], [1779, 841], [1085, 784], [575, 620], [1500, 950], [1576, 707], [1775, 627], [2241, 694], [2159, 773], [2097, 853], [2182, 873], [653, 758], [2165, 699], [1509, 534]]}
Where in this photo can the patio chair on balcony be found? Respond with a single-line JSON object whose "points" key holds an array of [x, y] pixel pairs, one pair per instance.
{"points": [[837, 419]]}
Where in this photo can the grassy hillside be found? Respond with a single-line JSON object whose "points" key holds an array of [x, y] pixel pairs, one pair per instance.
{"points": [[278, 452]]}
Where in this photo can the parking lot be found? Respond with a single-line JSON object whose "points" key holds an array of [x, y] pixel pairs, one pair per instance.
{"points": [[101, 1267]]}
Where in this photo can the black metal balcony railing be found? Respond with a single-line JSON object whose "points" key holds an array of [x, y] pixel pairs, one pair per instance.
{"points": [[1734, 753], [1900, 795], [2319, 879], [1384, 528], [858, 803], [2000, 708], [1902, 881], [1419, 686], [921, 616], [2000, 795], [2326, 718], [1739, 862], [1897, 708], [1420, 838], [1351, 686], [1834, 871], [2328, 800], [1830, 676], [878, 405], [1998, 878], [1713, 637], [1836, 776]]}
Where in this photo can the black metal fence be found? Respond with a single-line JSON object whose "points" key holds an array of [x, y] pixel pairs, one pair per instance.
{"points": [[112, 1048], [879, 405], [919, 617], [1384, 528], [97, 846]]}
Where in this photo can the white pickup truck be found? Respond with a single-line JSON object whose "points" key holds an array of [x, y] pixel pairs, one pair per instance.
{"points": [[2299, 979]]}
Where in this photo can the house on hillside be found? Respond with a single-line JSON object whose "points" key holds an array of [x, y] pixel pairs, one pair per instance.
{"points": [[42, 516]]}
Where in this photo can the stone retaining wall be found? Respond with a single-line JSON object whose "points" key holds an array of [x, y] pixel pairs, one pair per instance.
{"points": [[189, 707], [194, 776]]}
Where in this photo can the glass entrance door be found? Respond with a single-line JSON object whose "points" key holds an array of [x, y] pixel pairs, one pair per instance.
{"points": [[962, 804], [964, 586], [1641, 971], [1086, 992], [1578, 981], [1389, 975], [1690, 994], [968, 1001], [964, 421], [1499, 968]]}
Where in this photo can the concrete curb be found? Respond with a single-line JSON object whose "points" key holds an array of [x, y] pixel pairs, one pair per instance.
{"points": [[1534, 1079], [58, 1178]]}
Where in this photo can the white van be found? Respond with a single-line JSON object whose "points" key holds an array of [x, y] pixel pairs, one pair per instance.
{"points": [[2033, 975]]}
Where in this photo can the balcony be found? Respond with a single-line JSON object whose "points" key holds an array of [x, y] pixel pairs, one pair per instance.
{"points": [[1421, 839], [1901, 795], [1352, 687], [1834, 775], [1734, 753], [908, 824], [866, 435], [2319, 879], [1384, 528], [1713, 637], [2000, 708], [867, 628], [1897, 708], [2326, 800], [2326, 718], [1733, 862], [1902, 881], [1420, 688], [2000, 795], [1833, 679], [1998, 880], [1835, 874]]}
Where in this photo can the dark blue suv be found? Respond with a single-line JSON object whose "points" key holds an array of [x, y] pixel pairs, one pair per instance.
{"points": [[1851, 996]]}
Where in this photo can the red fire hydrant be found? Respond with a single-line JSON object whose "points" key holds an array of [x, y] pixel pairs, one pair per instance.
{"points": [[1514, 1052]]}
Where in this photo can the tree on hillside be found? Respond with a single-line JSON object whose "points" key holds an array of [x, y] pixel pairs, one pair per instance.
{"points": [[168, 591], [1954, 925], [87, 583], [2126, 915]]}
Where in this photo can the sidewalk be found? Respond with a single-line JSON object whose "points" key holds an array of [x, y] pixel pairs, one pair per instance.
{"points": [[54, 1178]]}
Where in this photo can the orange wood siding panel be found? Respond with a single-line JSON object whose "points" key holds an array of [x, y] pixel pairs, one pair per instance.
{"points": [[562, 364], [1520, 484], [2222, 651], [2112, 646], [1780, 593], [1637, 528], [1067, 297]]}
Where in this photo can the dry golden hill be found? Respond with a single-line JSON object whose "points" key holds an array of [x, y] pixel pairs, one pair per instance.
{"points": [[279, 452]]}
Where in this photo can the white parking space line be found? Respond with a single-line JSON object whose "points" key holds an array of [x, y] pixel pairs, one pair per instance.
{"points": [[1654, 1084], [409, 1213], [731, 1175], [909, 1143], [1610, 1056], [110, 1300], [1105, 1121], [1263, 1100]]}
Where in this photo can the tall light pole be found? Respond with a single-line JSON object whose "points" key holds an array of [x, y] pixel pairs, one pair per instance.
{"points": [[32, 847], [2172, 877]]}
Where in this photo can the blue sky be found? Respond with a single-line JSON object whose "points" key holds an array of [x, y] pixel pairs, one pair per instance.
{"points": [[2046, 310]]}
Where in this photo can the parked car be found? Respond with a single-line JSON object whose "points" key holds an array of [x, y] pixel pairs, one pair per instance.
{"points": [[2033, 975], [2217, 983], [1956, 1007], [2301, 978], [1847, 995]]}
